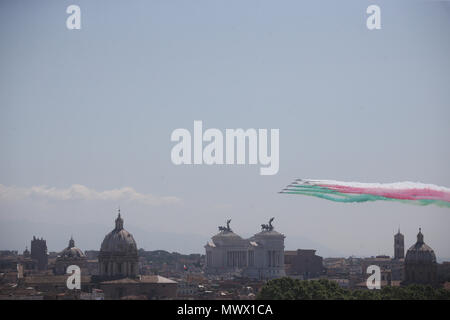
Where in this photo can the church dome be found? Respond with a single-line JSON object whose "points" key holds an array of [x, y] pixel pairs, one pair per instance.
{"points": [[420, 253], [118, 257], [119, 240], [71, 252]]}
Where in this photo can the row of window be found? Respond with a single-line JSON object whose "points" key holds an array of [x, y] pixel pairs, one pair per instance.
{"points": [[247, 258], [121, 268]]}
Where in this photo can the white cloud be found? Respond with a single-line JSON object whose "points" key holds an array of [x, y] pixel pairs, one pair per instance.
{"points": [[80, 192]]}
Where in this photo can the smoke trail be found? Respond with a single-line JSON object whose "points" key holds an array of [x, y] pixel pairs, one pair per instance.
{"points": [[339, 191]]}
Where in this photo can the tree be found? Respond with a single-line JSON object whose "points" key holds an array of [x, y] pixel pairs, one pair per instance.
{"points": [[294, 289]]}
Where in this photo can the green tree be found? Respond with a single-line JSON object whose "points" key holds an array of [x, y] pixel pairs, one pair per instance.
{"points": [[294, 289]]}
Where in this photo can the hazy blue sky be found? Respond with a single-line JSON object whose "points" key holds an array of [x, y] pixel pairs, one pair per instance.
{"points": [[96, 107]]}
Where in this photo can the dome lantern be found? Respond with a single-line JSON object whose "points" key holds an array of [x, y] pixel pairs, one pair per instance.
{"points": [[71, 242], [420, 236], [119, 222]]}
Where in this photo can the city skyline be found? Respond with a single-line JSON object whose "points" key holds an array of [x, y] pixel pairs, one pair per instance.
{"points": [[288, 247], [86, 118]]}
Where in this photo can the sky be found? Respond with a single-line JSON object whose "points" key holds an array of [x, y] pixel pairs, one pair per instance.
{"points": [[86, 118]]}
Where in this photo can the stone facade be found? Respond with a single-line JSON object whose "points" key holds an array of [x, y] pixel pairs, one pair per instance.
{"points": [[303, 263], [259, 257]]}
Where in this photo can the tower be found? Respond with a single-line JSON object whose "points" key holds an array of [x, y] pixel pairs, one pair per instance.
{"points": [[399, 245], [39, 253]]}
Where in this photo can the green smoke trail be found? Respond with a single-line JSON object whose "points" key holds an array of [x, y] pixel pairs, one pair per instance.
{"points": [[333, 195]]}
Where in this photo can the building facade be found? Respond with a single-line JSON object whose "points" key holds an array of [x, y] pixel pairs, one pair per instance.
{"points": [[142, 288], [303, 263], [259, 257]]}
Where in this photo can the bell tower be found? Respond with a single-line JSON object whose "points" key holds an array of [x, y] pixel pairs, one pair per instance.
{"points": [[399, 245]]}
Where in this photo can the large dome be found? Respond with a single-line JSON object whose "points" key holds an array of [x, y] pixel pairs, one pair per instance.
{"points": [[420, 252], [119, 240], [118, 257]]}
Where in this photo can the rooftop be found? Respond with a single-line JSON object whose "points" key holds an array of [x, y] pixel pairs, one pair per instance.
{"points": [[142, 279]]}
